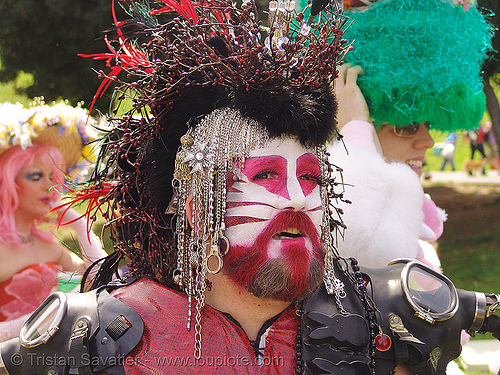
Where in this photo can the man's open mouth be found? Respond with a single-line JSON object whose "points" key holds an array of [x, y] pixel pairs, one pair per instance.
{"points": [[289, 233]]}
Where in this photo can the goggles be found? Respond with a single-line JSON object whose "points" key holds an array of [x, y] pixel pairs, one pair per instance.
{"points": [[432, 295], [45, 322]]}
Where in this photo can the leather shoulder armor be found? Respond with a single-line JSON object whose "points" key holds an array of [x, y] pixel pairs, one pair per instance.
{"points": [[336, 333], [369, 321], [85, 333]]}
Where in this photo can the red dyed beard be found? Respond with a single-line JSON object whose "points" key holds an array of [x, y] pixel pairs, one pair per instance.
{"points": [[292, 276]]}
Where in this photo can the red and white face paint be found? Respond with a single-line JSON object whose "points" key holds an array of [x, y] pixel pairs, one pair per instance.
{"points": [[274, 213]]}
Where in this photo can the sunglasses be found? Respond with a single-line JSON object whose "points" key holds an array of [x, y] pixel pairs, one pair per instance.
{"points": [[409, 130]]}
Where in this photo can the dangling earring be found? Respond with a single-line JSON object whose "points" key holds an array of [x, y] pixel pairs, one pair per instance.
{"points": [[215, 252]]}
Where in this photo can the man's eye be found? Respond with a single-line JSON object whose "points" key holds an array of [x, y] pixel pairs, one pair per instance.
{"points": [[265, 175], [311, 177]]}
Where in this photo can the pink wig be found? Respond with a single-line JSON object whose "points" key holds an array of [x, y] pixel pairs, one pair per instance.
{"points": [[12, 162]]}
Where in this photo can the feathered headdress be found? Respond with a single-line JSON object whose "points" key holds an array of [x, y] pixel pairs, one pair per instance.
{"points": [[422, 61], [184, 61], [207, 83]]}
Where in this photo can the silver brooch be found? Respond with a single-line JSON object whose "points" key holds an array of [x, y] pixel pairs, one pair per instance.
{"points": [[199, 157]]}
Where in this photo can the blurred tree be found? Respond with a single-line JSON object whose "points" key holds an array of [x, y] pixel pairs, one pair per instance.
{"points": [[492, 66], [43, 37]]}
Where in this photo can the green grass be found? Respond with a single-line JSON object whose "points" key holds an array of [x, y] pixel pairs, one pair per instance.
{"points": [[462, 152], [473, 262]]}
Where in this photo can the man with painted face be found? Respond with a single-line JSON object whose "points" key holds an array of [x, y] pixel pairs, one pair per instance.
{"points": [[221, 201]]}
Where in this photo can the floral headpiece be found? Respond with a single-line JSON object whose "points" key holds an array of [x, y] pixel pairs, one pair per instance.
{"points": [[58, 124], [13, 127]]}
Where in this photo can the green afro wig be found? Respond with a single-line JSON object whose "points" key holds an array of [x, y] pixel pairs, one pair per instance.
{"points": [[422, 61]]}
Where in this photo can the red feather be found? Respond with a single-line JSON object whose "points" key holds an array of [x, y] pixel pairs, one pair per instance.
{"points": [[185, 8], [126, 57], [93, 196]]}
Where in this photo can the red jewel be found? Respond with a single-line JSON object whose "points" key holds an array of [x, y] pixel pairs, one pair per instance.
{"points": [[382, 342], [366, 281]]}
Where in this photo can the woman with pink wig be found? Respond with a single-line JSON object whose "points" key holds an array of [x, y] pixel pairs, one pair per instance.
{"points": [[35, 154]]}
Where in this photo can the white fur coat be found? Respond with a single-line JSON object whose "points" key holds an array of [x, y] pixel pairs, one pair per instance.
{"points": [[385, 217]]}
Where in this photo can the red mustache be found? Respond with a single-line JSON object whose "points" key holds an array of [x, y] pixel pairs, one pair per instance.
{"points": [[283, 220], [291, 219]]}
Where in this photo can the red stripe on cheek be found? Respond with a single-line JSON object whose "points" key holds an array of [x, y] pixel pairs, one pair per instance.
{"points": [[231, 221], [243, 204]]}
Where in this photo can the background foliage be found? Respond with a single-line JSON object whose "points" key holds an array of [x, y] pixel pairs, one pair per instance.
{"points": [[492, 66], [43, 37]]}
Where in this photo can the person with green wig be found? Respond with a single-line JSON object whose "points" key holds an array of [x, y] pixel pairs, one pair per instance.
{"points": [[414, 66]]}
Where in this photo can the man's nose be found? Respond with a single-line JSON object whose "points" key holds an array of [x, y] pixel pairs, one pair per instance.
{"points": [[297, 199]]}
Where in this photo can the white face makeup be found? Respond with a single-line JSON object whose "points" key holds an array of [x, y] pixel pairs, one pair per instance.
{"points": [[282, 177]]}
